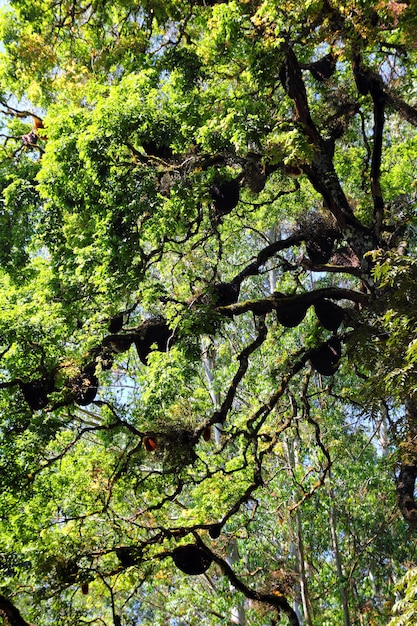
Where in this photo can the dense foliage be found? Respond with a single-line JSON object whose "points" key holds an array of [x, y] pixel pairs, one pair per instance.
{"points": [[208, 233]]}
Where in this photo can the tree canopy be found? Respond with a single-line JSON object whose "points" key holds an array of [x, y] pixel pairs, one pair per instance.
{"points": [[208, 408]]}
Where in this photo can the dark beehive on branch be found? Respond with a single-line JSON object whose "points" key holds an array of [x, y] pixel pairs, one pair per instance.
{"points": [[325, 359], [35, 392], [329, 314], [225, 195], [157, 149], [153, 332], [323, 68], [215, 530], [291, 314], [116, 323], [207, 433], [129, 555], [226, 293], [191, 559], [85, 386], [320, 248]]}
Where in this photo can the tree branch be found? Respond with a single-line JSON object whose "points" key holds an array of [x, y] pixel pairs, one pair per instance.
{"points": [[406, 111], [320, 171], [11, 613], [220, 415], [278, 301], [278, 601]]}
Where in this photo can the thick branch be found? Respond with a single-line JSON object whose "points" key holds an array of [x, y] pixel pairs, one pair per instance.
{"points": [[405, 493], [368, 81], [320, 171], [255, 422], [293, 83], [406, 111], [277, 301], [11, 613], [267, 253], [379, 118]]}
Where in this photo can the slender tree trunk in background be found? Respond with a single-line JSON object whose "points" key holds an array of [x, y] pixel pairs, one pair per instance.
{"points": [[273, 236], [298, 602], [338, 561], [208, 359], [302, 571], [383, 431], [237, 615], [292, 458]]}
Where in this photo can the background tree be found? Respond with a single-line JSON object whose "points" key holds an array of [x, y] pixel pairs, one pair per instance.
{"points": [[208, 349]]}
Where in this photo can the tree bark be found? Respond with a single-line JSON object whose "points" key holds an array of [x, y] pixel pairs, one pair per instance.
{"points": [[280, 603], [407, 476], [11, 613], [305, 599]]}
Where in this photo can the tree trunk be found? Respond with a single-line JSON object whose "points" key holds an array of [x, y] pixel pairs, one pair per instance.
{"points": [[407, 476], [208, 359], [383, 431], [292, 458], [10, 613], [338, 560], [302, 571], [237, 614], [273, 236]]}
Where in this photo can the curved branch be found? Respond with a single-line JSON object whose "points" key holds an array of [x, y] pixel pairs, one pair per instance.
{"points": [[278, 601], [368, 81], [220, 415], [267, 253], [379, 120], [11, 613]]}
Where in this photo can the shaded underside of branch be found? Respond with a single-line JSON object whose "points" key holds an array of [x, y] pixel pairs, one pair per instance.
{"points": [[11, 613]]}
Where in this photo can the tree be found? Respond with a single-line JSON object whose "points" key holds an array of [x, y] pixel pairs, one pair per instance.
{"points": [[208, 349]]}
